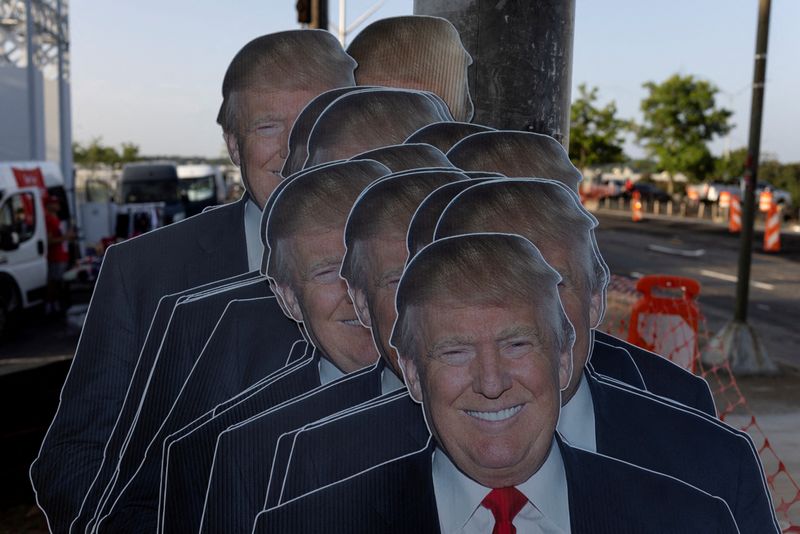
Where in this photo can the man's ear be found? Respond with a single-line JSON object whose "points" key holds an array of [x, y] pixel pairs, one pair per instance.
{"points": [[412, 379], [597, 308], [361, 306], [232, 142], [288, 301], [565, 368]]}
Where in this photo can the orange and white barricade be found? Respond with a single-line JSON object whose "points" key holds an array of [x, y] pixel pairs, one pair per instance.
{"points": [[725, 200], [772, 230], [636, 206], [735, 215], [666, 317], [765, 200]]}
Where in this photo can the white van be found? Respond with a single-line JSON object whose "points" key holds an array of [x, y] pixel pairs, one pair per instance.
{"points": [[23, 234], [201, 186]]}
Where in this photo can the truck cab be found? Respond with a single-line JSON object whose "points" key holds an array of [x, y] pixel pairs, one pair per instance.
{"points": [[201, 186], [23, 234]]}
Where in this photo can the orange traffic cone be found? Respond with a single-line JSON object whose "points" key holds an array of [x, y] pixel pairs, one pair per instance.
{"points": [[772, 231], [765, 200], [735, 216], [636, 206]]}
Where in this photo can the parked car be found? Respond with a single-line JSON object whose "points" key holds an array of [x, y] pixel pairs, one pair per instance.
{"points": [[648, 192]]}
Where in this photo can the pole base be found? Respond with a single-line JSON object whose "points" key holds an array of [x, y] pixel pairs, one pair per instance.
{"points": [[739, 344]]}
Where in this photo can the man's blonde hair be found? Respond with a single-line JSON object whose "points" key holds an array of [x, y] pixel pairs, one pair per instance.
{"points": [[516, 154], [415, 52], [407, 157], [289, 60]]}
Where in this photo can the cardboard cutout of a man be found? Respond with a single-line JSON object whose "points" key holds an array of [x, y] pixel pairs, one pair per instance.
{"points": [[599, 414], [267, 84]]}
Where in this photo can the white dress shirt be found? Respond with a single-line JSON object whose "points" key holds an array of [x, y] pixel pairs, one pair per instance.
{"points": [[328, 372], [252, 235], [389, 381], [458, 499], [576, 422]]}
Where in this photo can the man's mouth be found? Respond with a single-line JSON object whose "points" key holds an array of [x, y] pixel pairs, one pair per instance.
{"points": [[500, 415], [351, 322]]}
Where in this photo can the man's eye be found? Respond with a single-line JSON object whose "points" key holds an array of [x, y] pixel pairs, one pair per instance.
{"points": [[327, 276], [268, 129], [515, 349]]}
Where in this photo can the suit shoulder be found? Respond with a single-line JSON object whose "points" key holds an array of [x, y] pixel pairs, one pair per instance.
{"points": [[602, 485], [219, 219]]}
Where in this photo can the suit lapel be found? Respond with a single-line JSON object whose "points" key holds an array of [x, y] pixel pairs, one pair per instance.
{"points": [[224, 240], [408, 498]]}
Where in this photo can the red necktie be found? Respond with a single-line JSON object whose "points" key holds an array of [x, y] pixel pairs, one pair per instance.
{"points": [[505, 504]]}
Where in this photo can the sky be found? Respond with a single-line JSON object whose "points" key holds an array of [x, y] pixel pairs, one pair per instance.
{"points": [[150, 72]]}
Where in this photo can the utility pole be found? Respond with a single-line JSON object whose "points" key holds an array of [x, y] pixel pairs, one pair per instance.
{"points": [[521, 75], [738, 341], [313, 13]]}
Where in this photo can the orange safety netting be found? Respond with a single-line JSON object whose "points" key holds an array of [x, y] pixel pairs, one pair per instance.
{"points": [[732, 406]]}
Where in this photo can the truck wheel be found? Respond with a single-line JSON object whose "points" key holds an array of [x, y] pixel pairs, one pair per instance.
{"points": [[8, 299], [5, 306]]}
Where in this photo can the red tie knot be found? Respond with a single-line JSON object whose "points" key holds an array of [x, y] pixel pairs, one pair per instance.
{"points": [[505, 504]]}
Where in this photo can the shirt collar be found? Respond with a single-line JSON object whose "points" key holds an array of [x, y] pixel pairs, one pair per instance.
{"points": [[252, 235], [458, 496], [576, 422], [389, 381], [328, 372]]}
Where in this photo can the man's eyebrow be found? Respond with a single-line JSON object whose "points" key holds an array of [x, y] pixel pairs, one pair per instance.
{"points": [[261, 119], [451, 342], [518, 331]]}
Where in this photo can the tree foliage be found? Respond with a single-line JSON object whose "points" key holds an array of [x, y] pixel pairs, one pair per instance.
{"points": [[596, 134], [680, 117], [730, 167], [96, 153]]}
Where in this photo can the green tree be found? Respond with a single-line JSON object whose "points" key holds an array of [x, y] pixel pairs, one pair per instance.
{"points": [[596, 134], [130, 153], [680, 117], [96, 153], [731, 166]]}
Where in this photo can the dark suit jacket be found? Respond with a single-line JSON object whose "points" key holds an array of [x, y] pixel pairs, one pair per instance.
{"points": [[660, 375], [137, 511], [162, 321], [244, 452], [606, 496], [616, 363], [190, 457], [135, 275], [664, 436], [243, 348], [191, 324], [392, 428]]}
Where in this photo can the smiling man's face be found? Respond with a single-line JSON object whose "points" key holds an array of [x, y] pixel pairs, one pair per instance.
{"points": [[264, 119], [489, 378], [320, 300]]}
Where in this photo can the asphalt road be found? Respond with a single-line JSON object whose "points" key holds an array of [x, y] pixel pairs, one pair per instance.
{"points": [[710, 255]]}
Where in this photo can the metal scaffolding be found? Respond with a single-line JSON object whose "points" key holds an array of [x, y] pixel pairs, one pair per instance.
{"points": [[34, 34]]}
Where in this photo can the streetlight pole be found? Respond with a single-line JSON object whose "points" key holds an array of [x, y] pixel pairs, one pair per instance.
{"points": [[751, 164], [738, 342]]}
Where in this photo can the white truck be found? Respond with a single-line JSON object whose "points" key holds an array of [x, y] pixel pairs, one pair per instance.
{"points": [[23, 233]]}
